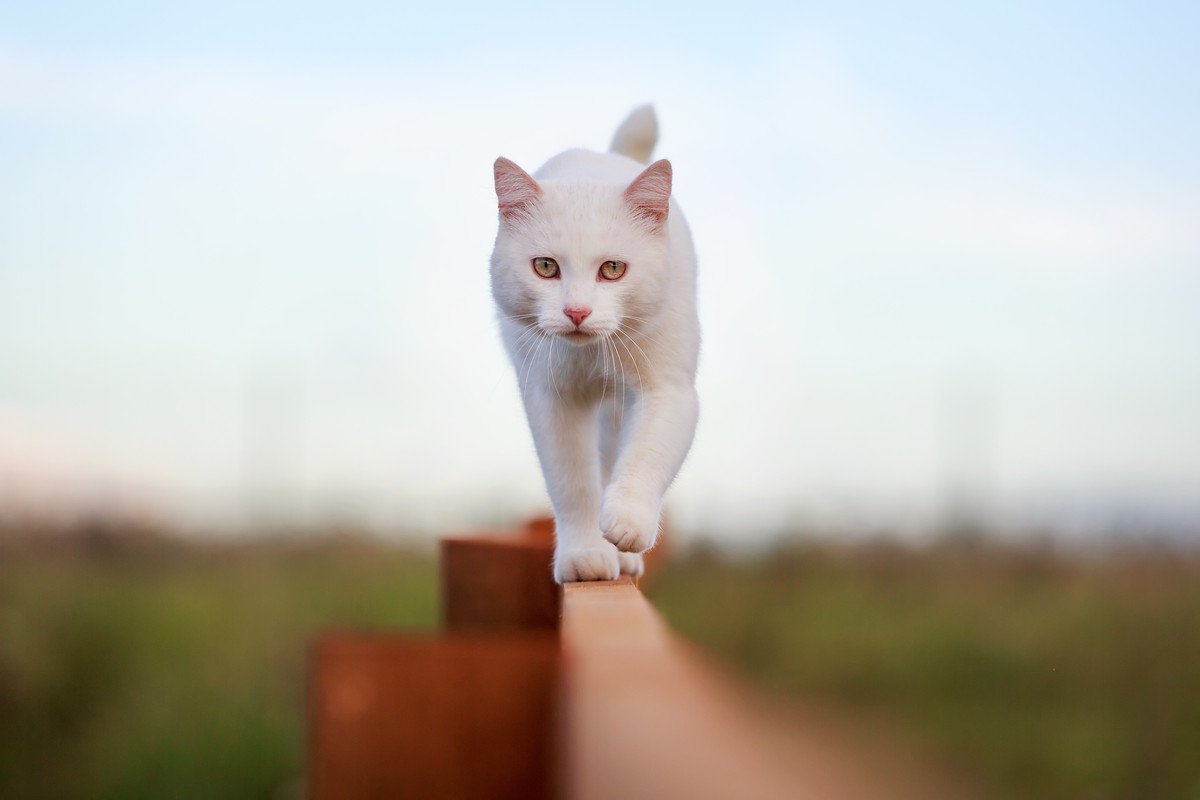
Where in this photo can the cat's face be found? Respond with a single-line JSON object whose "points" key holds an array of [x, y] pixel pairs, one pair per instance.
{"points": [[580, 261]]}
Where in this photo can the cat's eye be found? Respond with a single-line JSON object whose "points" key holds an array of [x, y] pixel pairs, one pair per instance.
{"points": [[545, 267], [612, 270]]}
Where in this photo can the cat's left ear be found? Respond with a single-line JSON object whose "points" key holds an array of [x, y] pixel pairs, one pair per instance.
{"points": [[516, 190], [650, 193]]}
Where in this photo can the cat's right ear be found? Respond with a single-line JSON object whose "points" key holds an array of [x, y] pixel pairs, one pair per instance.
{"points": [[516, 190]]}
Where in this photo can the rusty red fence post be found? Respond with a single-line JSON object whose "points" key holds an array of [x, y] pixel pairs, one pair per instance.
{"points": [[471, 713]]}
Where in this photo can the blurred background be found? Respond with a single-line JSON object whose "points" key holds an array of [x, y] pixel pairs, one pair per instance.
{"points": [[249, 367]]}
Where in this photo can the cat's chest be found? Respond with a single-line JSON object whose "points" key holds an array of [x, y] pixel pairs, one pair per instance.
{"points": [[603, 367]]}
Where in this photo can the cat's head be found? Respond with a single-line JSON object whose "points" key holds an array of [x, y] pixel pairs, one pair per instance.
{"points": [[581, 260]]}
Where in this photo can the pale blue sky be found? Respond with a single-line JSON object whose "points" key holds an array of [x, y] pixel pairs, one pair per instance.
{"points": [[948, 249]]}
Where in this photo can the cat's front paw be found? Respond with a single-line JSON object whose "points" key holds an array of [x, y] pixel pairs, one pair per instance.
{"points": [[598, 562], [631, 525], [633, 564]]}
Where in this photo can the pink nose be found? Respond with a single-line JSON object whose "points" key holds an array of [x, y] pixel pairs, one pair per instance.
{"points": [[577, 315]]}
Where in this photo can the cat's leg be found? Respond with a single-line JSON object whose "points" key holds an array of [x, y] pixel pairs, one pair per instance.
{"points": [[565, 434], [611, 414], [659, 428], [610, 437]]}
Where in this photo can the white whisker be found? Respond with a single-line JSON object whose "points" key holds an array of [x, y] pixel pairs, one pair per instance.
{"points": [[550, 367], [532, 361], [525, 337], [521, 372], [617, 353], [603, 376], [641, 384], [528, 330]]}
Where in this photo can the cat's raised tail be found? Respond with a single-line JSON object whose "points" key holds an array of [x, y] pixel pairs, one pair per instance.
{"points": [[637, 135]]}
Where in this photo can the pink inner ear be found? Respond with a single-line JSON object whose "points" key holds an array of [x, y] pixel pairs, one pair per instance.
{"points": [[515, 189], [650, 192]]}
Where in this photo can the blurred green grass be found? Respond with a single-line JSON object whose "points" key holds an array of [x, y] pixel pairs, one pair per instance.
{"points": [[155, 667], [1035, 673], [177, 670]]}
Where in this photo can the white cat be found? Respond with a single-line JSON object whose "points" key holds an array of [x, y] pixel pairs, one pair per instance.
{"points": [[594, 275]]}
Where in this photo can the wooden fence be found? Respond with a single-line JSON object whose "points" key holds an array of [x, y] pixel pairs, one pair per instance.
{"points": [[538, 691]]}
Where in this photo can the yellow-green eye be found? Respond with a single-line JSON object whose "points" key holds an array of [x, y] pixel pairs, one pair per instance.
{"points": [[545, 267], [612, 270]]}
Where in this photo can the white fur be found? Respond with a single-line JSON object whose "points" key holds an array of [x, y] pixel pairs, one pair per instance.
{"points": [[637, 135], [612, 416]]}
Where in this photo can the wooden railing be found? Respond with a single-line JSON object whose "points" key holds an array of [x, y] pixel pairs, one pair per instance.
{"points": [[535, 691]]}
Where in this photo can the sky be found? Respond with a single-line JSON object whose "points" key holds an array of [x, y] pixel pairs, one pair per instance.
{"points": [[949, 257]]}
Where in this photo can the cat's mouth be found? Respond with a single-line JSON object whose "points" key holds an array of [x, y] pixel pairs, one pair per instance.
{"points": [[580, 337]]}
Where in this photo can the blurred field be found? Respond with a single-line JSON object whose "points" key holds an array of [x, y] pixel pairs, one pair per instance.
{"points": [[1033, 673], [152, 668], [148, 667]]}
